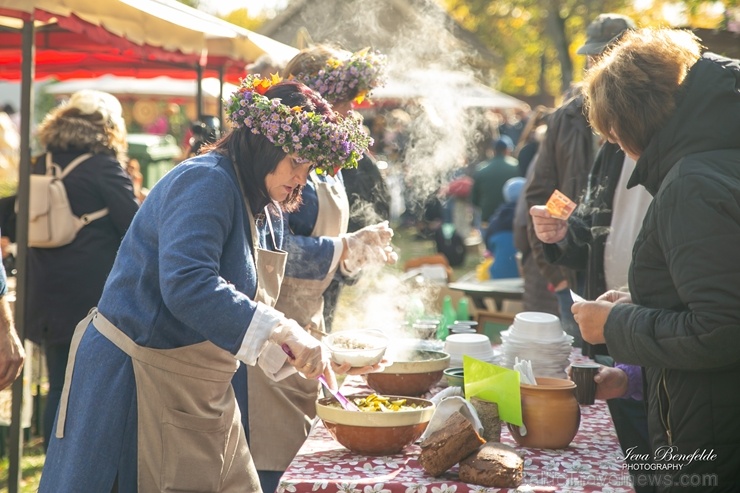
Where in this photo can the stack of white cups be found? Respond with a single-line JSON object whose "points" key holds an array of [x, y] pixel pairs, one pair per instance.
{"points": [[539, 338]]}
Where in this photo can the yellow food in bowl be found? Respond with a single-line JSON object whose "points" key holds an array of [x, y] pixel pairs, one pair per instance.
{"points": [[377, 403]]}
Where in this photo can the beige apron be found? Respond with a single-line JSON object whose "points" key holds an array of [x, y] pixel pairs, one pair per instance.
{"points": [[188, 440], [280, 413]]}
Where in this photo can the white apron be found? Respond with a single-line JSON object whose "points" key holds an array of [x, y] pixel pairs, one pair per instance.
{"points": [[280, 413], [190, 436]]}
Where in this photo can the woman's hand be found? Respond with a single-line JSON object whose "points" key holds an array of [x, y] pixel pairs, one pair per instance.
{"points": [[371, 244], [591, 317], [307, 354], [348, 369], [547, 228], [611, 383], [615, 297]]}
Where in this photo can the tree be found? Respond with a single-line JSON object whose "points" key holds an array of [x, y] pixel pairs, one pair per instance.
{"points": [[191, 3], [241, 17], [539, 38]]}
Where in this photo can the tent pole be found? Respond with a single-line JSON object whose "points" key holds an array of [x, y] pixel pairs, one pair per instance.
{"points": [[27, 77], [199, 93], [221, 96]]}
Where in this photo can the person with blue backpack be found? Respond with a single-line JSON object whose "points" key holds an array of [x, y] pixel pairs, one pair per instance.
{"points": [[499, 234]]}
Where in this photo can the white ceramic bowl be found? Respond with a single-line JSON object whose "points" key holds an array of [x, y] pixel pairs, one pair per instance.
{"points": [[477, 346], [357, 347], [537, 326]]}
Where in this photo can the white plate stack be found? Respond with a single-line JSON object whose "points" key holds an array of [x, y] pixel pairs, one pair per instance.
{"points": [[539, 338], [476, 346]]}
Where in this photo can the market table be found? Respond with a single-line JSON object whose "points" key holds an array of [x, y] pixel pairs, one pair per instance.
{"points": [[591, 463], [497, 289]]}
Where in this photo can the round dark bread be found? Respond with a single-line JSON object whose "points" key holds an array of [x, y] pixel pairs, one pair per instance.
{"points": [[493, 465]]}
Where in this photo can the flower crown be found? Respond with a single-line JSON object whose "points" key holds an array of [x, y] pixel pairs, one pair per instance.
{"points": [[361, 72], [309, 135]]}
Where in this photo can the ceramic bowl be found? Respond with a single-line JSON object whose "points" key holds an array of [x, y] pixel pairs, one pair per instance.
{"points": [[412, 373], [425, 328], [537, 326], [455, 377], [477, 346], [357, 347], [375, 433]]}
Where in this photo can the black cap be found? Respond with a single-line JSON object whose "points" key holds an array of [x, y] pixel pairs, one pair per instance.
{"points": [[605, 29]]}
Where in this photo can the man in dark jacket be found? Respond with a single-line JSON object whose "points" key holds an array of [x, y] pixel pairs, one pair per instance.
{"points": [[598, 239], [563, 163]]}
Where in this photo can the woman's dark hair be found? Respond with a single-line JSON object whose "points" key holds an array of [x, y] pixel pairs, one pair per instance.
{"points": [[255, 156]]}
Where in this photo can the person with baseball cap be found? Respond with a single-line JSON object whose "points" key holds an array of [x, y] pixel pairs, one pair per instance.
{"points": [[597, 241], [604, 31]]}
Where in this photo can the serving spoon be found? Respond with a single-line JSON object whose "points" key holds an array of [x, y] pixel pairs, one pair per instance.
{"points": [[345, 403]]}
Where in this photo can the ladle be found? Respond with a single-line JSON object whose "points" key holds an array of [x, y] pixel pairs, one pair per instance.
{"points": [[346, 403]]}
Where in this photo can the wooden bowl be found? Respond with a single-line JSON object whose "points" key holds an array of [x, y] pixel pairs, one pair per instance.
{"points": [[375, 433], [411, 374]]}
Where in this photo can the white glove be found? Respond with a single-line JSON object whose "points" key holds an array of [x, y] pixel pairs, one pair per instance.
{"points": [[370, 244], [309, 356]]}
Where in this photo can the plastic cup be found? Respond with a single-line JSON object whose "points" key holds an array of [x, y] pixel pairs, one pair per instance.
{"points": [[583, 375]]}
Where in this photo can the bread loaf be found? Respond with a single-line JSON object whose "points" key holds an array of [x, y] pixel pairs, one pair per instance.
{"points": [[444, 448], [493, 465]]}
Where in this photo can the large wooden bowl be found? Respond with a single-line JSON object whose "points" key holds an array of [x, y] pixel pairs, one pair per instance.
{"points": [[375, 433], [411, 374]]}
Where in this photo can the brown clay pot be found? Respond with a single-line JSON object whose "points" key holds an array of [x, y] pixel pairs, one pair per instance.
{"points": [[550, 413], [411, 374]]}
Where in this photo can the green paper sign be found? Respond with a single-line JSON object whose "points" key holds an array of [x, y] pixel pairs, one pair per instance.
{"points": [[494, 383]]}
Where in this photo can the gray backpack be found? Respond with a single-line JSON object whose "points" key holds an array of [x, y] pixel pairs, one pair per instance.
{"points": [[51, 222]]}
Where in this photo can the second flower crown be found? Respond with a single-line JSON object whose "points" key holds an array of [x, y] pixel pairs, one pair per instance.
{"points": [[306, 134]]}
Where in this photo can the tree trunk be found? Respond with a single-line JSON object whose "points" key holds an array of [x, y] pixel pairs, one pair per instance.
{"points": [[556, 30]]}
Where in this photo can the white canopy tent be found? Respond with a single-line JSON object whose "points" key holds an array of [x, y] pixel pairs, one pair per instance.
{"points": [[132, 86], [426, 83]]}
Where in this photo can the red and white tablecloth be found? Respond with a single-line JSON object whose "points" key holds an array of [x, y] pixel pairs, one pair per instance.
{"points": [[591, 463]]}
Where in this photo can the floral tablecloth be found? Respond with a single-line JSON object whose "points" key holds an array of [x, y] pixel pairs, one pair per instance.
{"points": [[593, 462]]}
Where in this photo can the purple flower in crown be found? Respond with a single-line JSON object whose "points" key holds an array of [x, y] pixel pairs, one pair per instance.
{"points": [[307, 135]]}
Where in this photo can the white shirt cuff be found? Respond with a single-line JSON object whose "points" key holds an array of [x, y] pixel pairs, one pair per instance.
{"points": [[256, 339], [338, 249]]}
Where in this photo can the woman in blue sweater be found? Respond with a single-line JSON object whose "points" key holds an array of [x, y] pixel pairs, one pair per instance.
{"points": [[148, 403], [319, 249]]}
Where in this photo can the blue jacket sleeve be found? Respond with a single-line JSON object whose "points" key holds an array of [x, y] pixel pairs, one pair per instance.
{"points": [[206, 281]]}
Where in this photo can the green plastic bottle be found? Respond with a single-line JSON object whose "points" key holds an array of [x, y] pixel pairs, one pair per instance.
{"points": [[463, 314], [448, 318]]}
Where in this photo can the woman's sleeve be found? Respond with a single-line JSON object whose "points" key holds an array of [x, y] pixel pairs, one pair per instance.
{"points": [[699, 234], [196, 221], [311, 257]]}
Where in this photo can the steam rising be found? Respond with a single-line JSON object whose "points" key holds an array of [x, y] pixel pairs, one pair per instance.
{"points": [[442, 134]]}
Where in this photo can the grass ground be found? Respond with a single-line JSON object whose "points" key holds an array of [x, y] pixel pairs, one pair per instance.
{"points": [[31, 465], [407, 243]]}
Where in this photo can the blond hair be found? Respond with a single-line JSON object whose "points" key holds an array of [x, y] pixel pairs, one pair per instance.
{"points": [[630, 93], [90, 121]]}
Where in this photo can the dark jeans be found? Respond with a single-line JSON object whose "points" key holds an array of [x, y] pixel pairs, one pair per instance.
{"points": [[630, 422], [56, 366], [269, 480]]}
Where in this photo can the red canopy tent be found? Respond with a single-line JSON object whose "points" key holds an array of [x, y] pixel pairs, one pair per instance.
{"points": [[89, 38]]}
